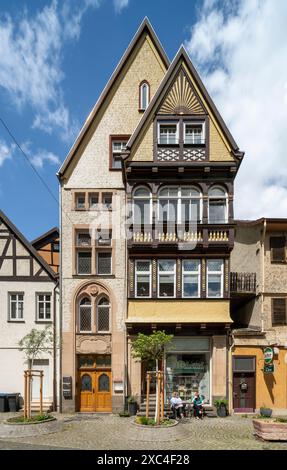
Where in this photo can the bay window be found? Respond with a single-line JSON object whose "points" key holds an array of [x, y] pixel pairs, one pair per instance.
{"points": [[168, 133], [179, 205], [217, 206], [191, 278], [194, 133], [166, 278], [143, 278], [142, 206], [215, 278]]}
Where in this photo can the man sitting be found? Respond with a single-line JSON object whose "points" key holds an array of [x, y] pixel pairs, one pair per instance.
{"points": [[176, 405], [198, 405]]}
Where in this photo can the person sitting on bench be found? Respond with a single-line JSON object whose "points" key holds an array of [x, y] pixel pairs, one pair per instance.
{"points": [[176, 405]]}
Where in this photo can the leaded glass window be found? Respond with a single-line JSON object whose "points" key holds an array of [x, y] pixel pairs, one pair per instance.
{"points": [[103, 315], [85, 315], [104, 262], [104, 383], [86, 383]]}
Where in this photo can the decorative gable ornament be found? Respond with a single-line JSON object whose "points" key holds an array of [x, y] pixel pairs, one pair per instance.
{"points": [[181, 99]]}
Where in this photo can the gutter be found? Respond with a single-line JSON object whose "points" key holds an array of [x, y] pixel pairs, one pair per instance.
{"points": [[55, 387], [263, 273], [60, 303]]}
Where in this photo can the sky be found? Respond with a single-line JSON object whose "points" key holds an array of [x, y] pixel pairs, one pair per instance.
{"points": [[57, 55]]}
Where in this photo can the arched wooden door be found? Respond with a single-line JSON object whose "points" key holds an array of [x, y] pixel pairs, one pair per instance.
{"points": [[87, 391], [103, 391]]}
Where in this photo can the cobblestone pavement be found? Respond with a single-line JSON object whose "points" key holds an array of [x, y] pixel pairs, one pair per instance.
{"points": [[104, 432]]}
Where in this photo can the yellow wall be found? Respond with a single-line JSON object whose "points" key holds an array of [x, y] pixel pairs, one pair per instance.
{"points": [[271, 389]]}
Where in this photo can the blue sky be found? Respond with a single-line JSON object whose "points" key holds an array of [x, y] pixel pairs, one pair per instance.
{"points": [[56, 57]]}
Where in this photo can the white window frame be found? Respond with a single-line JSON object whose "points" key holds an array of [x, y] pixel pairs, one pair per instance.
{"points": [[166, 273], [217, 197], [97, 256], [221, 273], [149, 198], [118, 152], [145, 273], [143, 106], [193, 273], [79, 316], [44, 294], [179, 198], [168, 123], [17, 301], [97, 316], [191, 123]]}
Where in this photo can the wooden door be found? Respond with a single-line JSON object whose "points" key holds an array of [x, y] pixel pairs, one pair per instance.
{"points": [[244, 392], [103, 391], [87, 391]]}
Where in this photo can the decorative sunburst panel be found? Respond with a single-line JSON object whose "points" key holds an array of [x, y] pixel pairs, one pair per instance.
{"points": [[181, 99]]}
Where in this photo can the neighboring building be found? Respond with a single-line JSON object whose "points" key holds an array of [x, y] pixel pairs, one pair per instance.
{"points": [[93, 269], [259, 311], [29, 298], [48, 246]]}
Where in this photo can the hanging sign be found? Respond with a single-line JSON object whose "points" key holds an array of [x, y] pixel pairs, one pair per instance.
{"points": [[268, 369], [268, 355]]}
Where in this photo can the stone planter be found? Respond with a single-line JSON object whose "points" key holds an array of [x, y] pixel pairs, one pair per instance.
{"points": [[270, 430]]}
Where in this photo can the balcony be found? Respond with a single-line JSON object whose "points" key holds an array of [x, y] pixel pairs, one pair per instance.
{"points": [[242, 284], [201, 235]]}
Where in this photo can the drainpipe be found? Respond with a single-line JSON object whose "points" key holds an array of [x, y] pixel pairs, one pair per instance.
{"points": [[55, 394], [230, 378], [263, 273], [60, 301]]}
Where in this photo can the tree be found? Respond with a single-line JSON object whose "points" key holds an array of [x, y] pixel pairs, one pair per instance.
{"points": [[35, 343], [151, 347]]}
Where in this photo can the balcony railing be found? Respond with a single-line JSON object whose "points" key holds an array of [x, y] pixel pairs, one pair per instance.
{"points": [[242, 283]]}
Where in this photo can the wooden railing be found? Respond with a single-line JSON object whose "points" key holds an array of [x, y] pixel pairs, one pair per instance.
{"points": [[242, 283]]}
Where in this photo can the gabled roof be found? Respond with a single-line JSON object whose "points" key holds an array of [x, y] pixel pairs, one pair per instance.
{"points": [[145, 27], [183, 55], [46, 237], [27, 245]]}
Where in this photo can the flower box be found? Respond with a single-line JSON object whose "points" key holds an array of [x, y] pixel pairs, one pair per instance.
{"points": [[270, 430]]}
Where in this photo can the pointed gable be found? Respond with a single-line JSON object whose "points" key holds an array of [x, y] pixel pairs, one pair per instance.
{"points": [[182, 93]]}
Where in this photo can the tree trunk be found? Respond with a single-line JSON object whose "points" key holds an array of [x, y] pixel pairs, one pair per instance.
{"points": [[156, 393]]}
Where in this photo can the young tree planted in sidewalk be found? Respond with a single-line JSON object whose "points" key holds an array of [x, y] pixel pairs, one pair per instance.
{"points": [[35, 343], [151, 347]]}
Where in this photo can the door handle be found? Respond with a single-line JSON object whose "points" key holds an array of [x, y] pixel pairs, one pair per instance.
{"points": [[93, 390]]}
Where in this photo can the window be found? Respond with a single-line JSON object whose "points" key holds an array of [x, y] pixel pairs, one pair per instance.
{"points": [[84, 262], [83, 239], [56, 247], [279, 316], [278, 249], [117, 146], [103, 315], [166, 278], [142, 206], [104, 263], [94, 201], [215, 278], [191, 278], [104, 238], [194, 133], [104, 383], [143, 278], [44, 307], [107, 200], [168, 133], [16, 306], [217, 207], [80, 201], [179, 205], [144, 95], [85, 315]]}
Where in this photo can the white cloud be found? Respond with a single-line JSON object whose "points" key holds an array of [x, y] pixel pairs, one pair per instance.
{"points": [[240, 49], [40, 157], [120, 5], [31, 60], [6, 151]]}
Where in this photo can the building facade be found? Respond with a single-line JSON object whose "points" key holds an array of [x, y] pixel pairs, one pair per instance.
{"points": [[259, 311], [29, 297], [48, 246], [155, 145]]}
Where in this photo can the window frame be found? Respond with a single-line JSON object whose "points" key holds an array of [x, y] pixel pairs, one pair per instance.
{"points": [[194, 123], [142, 198], [141, 85], [168, 123], [79, 314], [44, 320], [221, 273], [82, 250], [145, 273], [274, 324], [77, 195], [10, 301], [166, 273], [103, 296], [180, 198], [225, 198], [278, 261], [186, 273], [116, 138], [100, 252]]}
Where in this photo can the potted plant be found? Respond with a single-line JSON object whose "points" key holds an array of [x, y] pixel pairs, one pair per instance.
{"points": [[221, 407], [132, 405], [265, 412]]}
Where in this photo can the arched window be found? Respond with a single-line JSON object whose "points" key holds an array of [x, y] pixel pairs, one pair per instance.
{"points": [[103, 315], [144, 95], [167, 204], [179, 205], [86, 383], [142, 206], [217, 205], [104, 383], [191, 205], [85, 315]]}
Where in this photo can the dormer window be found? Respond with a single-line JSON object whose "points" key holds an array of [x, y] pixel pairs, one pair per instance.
{"points": [[168, 133], [194, 133], [144, 96]]}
